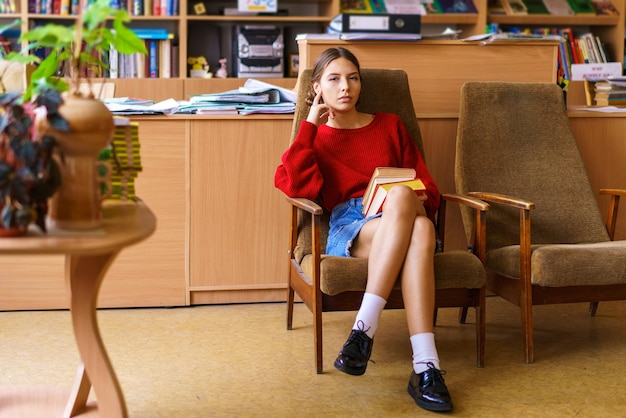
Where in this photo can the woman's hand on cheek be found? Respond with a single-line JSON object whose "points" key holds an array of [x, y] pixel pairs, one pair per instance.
{"points": [[319, 111]]}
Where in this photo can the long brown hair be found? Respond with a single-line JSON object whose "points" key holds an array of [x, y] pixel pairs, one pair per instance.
{"points": [[322, 62]]}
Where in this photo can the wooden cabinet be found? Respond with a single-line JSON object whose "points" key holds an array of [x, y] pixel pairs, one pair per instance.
{"points": [[149, 274], [238, 221]]}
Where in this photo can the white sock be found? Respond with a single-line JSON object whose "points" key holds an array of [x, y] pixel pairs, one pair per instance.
{"points": [[424, 351], [369, 312]]}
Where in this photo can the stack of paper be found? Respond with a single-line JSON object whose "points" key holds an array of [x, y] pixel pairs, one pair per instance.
{"points": [[129, 106], [253, 97]]}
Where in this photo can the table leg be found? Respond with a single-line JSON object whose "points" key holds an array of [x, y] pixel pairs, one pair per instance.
{"points": [[85, 274], [80, 393]]}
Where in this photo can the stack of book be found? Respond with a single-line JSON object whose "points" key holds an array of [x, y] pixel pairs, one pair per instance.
{"points": [[610, 92], [120, 163]]}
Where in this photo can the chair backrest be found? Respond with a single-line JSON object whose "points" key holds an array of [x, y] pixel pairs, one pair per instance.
{"points": [[516, 139], [383, 90]]}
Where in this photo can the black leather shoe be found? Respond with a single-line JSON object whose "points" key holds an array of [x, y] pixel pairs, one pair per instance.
{"points": [[429, 390], [355, 354]]}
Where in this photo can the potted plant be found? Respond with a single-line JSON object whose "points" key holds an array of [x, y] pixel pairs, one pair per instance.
{"points": [[29, 175], [87, 125]]}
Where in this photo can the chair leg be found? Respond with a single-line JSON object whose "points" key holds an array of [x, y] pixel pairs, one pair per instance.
{"points": [[462, 315], [317, 329], [593, 308], [480, 331], [290, 301], [527, 329]]}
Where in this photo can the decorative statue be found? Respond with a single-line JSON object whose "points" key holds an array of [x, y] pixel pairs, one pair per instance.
{"points": [[222, 72], [199, 67]]}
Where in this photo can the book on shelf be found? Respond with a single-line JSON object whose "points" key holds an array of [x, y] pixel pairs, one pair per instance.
{"points": [[495, 7], [515, 7], [165, 58], [151, 33], [386, 175], [356, 6], [431, 7], [376, 198], [400, 7], [613, 100], [582, 7], [604, 7], [559, 7], [536, 7], [456, 6]]}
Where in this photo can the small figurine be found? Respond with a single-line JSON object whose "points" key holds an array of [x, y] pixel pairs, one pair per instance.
{"points": [[199, 67], [222, 72]]}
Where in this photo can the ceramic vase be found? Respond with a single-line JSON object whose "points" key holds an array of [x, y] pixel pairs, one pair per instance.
{"points": [[77, 204]]}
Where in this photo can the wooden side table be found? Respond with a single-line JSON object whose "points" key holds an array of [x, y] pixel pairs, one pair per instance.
{"points": [[87, 258]]}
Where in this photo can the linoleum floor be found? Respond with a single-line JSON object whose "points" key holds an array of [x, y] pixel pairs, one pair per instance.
{"points": [[240, 361]]}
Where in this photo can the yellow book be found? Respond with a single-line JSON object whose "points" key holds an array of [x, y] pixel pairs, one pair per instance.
{"points": [[380, 194], [385, 175]]}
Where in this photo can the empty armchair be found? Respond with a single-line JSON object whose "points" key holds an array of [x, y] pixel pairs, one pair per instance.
{"points": [[515, 149]]}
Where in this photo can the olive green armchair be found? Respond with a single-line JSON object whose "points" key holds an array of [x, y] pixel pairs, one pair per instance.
{"points": [[516, 150]]}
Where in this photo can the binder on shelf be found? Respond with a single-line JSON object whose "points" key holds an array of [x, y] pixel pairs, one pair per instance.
{"points": [[380, 23]]}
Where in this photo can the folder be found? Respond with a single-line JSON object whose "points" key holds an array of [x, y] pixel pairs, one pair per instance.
{"points": [[380, 23]]}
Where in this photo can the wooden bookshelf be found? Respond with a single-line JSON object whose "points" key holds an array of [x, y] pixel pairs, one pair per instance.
{"points": [[210, 34]]}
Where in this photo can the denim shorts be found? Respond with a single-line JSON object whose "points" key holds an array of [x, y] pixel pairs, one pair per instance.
{"points": [[346, 221]]}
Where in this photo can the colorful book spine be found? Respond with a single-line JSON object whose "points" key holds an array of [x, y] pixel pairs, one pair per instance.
{"points": [[153, 52]]}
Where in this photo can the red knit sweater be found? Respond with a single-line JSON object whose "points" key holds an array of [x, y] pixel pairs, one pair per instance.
{"points": [[334, 165]]}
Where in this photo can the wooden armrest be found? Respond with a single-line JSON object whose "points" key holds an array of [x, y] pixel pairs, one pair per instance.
{"points": [[611, 218], [305, 204], [614, 192], [477, 243], [504, 199], [466, 200]]}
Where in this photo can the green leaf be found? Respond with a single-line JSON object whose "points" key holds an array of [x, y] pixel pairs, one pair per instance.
{"points": [[21, 58], [126, 41], [50, 35]]}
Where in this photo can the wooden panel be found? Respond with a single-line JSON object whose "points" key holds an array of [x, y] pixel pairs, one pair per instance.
{"points": [[32, 282], [238, 220], [600, 138], [151, 273], [146, 88], [437, 70], [439, 138]]}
